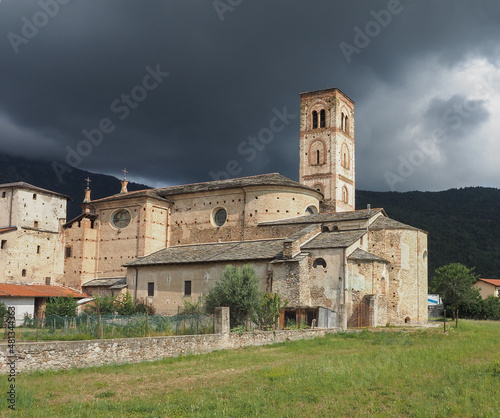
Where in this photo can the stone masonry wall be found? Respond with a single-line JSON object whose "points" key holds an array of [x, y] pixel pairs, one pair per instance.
{"points": [[60, 355]]}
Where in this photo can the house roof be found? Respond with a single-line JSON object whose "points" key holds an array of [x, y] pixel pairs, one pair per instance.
{"points": [[150, 193], [328, 217], [494, 282], [272, 179], [227, 251], [361, 255], [388, 223], [38, 290], [109, 281], [23, 185], [340, 239]]}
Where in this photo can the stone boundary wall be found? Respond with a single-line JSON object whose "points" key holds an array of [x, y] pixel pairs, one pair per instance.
{"points": [[58, 355]]}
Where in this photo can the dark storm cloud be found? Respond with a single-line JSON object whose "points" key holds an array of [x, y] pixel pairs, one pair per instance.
{"points": [[226, 79]]}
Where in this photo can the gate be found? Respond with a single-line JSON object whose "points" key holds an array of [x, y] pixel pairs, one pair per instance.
{"points": [[362, 313]]}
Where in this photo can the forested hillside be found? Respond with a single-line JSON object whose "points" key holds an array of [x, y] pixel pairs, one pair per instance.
{"points": [[463, 224]]}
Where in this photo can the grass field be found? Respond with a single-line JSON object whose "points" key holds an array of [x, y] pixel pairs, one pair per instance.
{"points": [[419, 373]]}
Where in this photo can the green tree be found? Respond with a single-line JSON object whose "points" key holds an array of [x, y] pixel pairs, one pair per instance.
{"points": [[454, 283], [238, 289], [3, 313], [61, 306], [125, 306], [268, 310], [103, 305]]}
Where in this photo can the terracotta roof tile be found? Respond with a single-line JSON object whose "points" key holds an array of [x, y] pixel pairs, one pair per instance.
{"points": [[494, 282], [38, 290]]}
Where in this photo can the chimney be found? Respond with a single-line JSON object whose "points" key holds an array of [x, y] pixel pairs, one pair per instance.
{"points": [[369, 208]]}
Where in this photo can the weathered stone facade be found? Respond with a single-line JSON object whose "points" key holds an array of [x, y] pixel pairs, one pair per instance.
{"points": [[31, 240], [327, 147], [305, 239]]}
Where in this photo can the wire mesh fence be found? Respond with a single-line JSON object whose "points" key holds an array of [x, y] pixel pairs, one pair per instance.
{"points": [[84, 326]]}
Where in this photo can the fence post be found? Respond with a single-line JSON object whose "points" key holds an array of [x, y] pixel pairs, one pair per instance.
{"points": [[221, 319]]}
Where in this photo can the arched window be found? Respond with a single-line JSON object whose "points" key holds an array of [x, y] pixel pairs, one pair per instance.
{"points": [[319, 262], [317, 153], [322, 118], [345, 195], [342, 121], [314, 119], [311, 210], [345, 157], [346, 124], [318, 187]]}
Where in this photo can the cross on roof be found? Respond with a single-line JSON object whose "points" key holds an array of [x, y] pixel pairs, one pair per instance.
{"points": [[125, 174], [88, 182]]}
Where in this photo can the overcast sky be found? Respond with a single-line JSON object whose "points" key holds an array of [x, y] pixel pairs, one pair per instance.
{"points": [[171, 89]]}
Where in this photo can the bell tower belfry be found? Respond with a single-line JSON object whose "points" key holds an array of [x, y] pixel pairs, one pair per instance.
{"points": [[327, 147]]}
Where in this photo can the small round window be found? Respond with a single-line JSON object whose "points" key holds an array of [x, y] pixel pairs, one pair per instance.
{"points": [[121, 219], [220, 216]]}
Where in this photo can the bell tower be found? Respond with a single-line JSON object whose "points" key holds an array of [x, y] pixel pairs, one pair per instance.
{"points": [[327, 147]]}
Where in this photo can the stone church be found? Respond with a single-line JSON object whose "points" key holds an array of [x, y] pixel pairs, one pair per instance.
{"points": [[336, 266]]}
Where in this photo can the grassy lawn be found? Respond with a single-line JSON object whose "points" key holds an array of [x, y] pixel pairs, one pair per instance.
{"points": [[417, 373]]}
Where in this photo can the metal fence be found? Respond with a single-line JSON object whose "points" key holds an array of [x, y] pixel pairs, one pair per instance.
{"points": [[84, 327]]}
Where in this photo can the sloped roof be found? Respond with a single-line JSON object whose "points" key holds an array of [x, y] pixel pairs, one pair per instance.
{"points": [[328, 217], [361, 255], [272, 179], [109, 281], [340, 239], [494, 282], [388, 223], [227, 251], [23, 185], [38, 290], [151, 193], [91, 216]]}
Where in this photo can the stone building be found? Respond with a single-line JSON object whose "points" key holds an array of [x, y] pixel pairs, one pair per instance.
{"points": [[336, 266], [31, 239]]}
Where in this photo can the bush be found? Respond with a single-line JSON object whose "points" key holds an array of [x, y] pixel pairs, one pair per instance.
{"points": [[491, 307], [3, 313], [142, 307], [61, 306], [125, 306]]}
